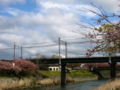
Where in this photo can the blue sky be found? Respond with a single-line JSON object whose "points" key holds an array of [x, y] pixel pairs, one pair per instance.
{"points": [[27, 22]]}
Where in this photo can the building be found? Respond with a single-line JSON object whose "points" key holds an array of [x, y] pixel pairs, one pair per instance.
{"points": [[57, 56], [55, 67]]}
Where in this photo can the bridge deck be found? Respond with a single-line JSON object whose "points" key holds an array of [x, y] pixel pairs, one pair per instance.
{"points": [[80, 60]]}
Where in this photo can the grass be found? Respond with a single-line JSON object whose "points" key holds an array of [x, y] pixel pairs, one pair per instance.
{"points": [[80, 73], [73, 73], [9, 83], [111, 85], [50, 73], [104, 70], [46, 81]]}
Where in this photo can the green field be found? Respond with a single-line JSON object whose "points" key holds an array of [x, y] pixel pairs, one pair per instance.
{"points": [[73, 73]]}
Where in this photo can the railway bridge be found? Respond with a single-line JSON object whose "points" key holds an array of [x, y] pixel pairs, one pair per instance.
{"points": [[63, 61]]}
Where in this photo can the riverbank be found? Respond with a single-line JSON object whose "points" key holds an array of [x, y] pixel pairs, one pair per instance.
{"points": [[7, 83], [45, 78], [111, 85], [30, 82]]}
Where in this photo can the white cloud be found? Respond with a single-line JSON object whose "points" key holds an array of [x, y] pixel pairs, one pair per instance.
{"points": [[58, 20], [8, 2], [57, 1], [66, 7], [55, 17], [10, 37], [111, 6], [53, 25], [12, 11], [76, 5], [3, 45], [48, 5]]}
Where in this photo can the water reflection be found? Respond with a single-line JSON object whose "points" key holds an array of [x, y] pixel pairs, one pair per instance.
{"points": [[88, 85]]}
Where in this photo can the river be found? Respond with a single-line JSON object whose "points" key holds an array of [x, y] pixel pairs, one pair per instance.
{"points": [[86, 85]]}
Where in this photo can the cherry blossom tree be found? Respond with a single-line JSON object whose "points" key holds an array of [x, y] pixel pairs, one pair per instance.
{"points": [[26, 66], [7, 67], [103, 32]]}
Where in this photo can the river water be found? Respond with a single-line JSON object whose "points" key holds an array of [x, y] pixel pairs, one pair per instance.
{"points": [[87, 85]]}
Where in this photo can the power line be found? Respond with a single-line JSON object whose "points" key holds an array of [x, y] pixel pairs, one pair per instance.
{"points": [[45, 45], [78, 42], [75, 42], [41, 46], [6, 48], [74, 38], [48, 41], [75, 53], [38, 43]]}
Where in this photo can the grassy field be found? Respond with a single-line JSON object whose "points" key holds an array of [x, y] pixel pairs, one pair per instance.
{"points": [[73, 73]]}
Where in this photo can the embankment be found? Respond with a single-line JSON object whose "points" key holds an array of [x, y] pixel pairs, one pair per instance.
{"points": [[29, 82]]}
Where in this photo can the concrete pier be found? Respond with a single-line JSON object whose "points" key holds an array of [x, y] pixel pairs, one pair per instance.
{"points": [[63, 74]]}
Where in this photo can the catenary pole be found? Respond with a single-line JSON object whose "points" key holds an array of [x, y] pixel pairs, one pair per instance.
{"points": [[21, 51], [59, 51], [14, 52]]}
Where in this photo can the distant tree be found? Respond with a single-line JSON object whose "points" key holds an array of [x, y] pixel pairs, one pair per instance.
{"points": [[41, 65], [96, 65], [72, 65]]}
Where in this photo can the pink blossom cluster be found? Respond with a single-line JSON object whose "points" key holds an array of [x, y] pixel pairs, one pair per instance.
{"points": [[6, 66], [108, 30], [26, 66], [96, 65], [17, 66], [109, 42]]}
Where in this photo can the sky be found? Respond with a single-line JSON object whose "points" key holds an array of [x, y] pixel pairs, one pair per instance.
{"points": [[31, 23]]}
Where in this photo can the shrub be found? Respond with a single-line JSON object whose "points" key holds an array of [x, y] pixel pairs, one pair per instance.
{"points": [[26, 66]]}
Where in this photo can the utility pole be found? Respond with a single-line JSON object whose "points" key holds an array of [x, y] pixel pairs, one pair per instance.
{"points": [[18, 47], [59, 51], [14, 52], [21, 51], [66, 49]]}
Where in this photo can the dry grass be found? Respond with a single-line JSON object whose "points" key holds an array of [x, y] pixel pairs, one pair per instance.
{"points": [[69, 79], [9, 83], [47, 81], [111, 85], [54, 80]]}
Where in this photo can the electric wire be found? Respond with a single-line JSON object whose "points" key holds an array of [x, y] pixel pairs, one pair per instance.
{"points": [[41, 46], [45, 45]]}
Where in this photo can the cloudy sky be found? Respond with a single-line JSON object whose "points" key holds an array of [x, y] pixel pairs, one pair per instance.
{"points": [[40, 22]]}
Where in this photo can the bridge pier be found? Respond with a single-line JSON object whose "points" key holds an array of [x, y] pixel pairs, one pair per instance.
{"points": [[63, 74], [112, 70]]}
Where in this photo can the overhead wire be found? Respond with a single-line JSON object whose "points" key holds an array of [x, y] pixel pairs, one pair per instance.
{"points": [[50, 42], [5, 48], [41, 46], [46, 45], [73, 38]]}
